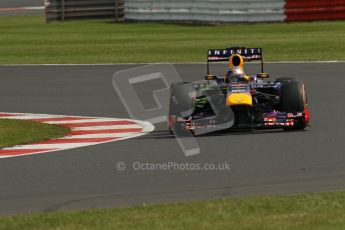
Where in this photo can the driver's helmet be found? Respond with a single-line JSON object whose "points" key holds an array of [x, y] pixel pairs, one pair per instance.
{"points": [[237, 75]]}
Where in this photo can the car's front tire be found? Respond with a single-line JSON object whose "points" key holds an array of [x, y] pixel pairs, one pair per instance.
{"points": [[292, 100], [181, 105]]}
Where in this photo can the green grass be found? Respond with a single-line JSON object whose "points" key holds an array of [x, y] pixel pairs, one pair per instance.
{"points": [[303, 212], [29, 40], [15, 132]]}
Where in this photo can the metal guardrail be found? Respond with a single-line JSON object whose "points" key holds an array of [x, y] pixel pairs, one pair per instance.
{"points": [[205, 10], [62, 10]]}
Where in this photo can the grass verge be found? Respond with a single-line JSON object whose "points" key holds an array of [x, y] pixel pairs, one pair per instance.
{"points": [[304, 212], [27, 39], [15, 132]]}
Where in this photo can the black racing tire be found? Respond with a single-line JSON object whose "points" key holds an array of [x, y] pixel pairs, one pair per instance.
{"points": [[180, 104], [180, 100], [292, 100]]}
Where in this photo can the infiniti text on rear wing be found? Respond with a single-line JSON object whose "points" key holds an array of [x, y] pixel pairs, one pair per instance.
{"points": [[248, 54], [224, 54]]}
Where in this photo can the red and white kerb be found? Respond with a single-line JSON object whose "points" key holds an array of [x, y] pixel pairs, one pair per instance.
{"points": [[85, 131]]}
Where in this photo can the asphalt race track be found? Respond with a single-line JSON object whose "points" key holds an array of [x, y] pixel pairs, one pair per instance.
{"points": [[262, 162]]}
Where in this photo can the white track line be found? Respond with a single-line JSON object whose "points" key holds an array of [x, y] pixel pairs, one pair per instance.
{"points": [[133, 126], [173, 63], [49, 146], [101, 135], [83, 121]]}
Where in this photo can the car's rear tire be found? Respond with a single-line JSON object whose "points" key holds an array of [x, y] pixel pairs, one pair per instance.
{"points": [[292, 100]]}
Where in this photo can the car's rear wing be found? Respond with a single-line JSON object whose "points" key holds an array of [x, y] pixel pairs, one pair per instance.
{"points": [[248, 54]]}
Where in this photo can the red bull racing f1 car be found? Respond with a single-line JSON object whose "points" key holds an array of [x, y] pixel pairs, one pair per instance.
{"points": [[236, 100]]}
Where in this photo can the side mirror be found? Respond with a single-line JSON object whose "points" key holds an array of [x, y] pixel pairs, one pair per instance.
{"points": [[262, 75], [211, 77]]}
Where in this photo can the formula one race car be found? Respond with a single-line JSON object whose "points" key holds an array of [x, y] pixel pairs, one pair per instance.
{"points": [[237, 101]]}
